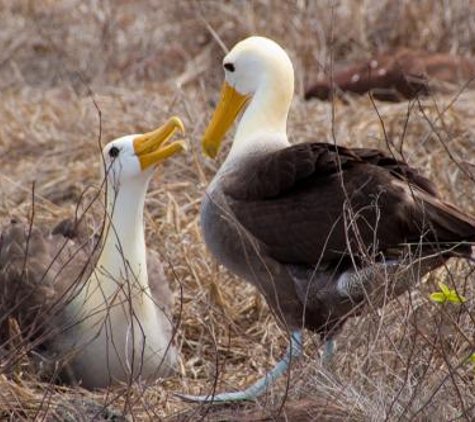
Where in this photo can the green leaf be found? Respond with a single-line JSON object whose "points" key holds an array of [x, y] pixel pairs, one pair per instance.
{"points": [[445, 289], [447, 295], [454, 297], [438, 297]]}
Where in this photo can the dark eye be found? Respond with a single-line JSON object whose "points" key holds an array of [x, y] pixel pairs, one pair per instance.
{"points": [[229, 66], [114, 152]]}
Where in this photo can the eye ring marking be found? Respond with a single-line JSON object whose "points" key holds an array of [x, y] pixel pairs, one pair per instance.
{"points": [[114, 152], [229, 66]]}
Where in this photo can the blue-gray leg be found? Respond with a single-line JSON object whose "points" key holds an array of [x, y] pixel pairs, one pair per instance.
{"points": [[294, 351], [328, 351]]}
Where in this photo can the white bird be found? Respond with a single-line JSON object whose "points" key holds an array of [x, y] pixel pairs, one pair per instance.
{"points": [[104, 311], [317, 228]]}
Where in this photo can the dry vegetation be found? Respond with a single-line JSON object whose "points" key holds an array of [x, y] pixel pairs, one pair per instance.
{"points": [[74, 74]]}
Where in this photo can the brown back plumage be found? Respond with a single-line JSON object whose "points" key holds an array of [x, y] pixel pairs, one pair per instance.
{"points": [[315, 211], [38, 273], [311, 202]]}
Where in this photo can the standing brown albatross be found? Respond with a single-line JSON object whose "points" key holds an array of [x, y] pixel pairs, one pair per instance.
{"points": [[109, 311], [315, 227]]}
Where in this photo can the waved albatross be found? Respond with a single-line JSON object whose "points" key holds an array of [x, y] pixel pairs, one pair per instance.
{"points": [[315, 227], [104, 311]]}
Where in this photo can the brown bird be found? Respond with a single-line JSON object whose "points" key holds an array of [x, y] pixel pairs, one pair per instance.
{"points": [[316, 227], [403, 74], [103, 304]]}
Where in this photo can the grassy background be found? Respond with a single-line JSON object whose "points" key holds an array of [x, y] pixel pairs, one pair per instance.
{"points": [[75, 74]]}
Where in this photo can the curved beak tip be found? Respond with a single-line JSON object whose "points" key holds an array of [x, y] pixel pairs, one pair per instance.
{"points": [[176, 121], [209, 150], [183, 145], [152, 147]]}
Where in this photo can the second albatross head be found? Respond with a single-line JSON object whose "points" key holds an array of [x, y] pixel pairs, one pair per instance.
{"points": [[259, 76], [135, 157]]}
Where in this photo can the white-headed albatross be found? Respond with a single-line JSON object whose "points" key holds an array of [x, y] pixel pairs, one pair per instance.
{"points": [[313, 226], [115, 325]]}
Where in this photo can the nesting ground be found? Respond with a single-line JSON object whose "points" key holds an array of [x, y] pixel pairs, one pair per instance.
{"points": [[76, 74]]}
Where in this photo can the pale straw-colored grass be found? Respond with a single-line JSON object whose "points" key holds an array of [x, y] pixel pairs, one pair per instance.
{"points": [[77, 74]]}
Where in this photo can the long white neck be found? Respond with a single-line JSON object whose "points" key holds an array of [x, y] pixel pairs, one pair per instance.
{"points": [[117, 328], [263, 126], [123, 255]]}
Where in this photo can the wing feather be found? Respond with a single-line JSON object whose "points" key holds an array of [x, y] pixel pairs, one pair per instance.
{"points": [[37, 271], [318, 202]]}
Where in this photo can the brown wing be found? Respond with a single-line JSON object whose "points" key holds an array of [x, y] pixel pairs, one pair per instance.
{"points": [[158, 282], [75, 248], [37, 271], [315, 201]]}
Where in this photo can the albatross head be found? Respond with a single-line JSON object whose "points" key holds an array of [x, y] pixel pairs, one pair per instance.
{"points": [[135, 157], [129, 163], [259, 77]]}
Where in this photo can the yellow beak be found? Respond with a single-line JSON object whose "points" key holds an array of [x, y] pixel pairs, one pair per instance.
{"points": [[229, 106], [150, 148]]}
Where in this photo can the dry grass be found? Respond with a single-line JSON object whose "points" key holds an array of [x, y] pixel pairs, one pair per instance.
{"points": [[139, 63]]}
